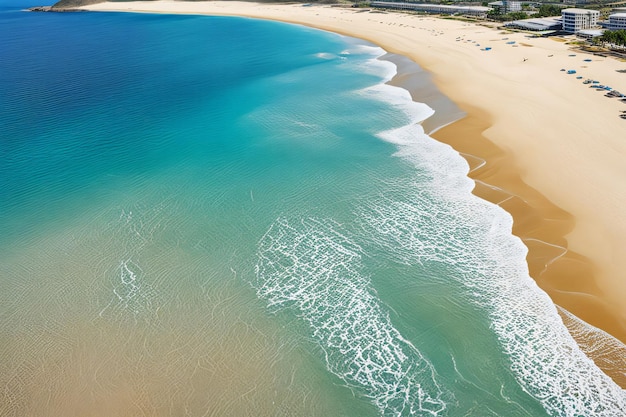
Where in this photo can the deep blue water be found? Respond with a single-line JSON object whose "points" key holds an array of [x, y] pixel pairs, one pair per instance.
{"points": [[225, 216]]}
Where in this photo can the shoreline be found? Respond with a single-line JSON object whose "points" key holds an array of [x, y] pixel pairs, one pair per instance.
{"points": [[518, 146], [537, 222], [411, 77]]}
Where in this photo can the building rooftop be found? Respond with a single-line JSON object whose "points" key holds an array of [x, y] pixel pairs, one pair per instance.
{"points": [[435, 7], [591, 33], [617, 15], [579, 11], [537, 24]]}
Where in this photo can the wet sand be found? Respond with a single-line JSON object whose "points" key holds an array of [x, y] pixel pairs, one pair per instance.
{"points": [[539, 143]]}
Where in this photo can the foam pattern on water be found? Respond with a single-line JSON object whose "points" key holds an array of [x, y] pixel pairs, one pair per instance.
{"points": [[132, 294], [373, 65], [133, 297], [435, 219], [400, 100], [607, 352], [311, 267]]}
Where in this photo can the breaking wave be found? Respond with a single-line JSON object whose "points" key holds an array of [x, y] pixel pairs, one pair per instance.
{"points": [[309, 266], [313, 267], [435, 218]]}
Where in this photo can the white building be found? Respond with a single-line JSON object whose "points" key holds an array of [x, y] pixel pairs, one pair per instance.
{"points": [[512, 6], [579, 19], [478, 11], [506, 6], [617, 21]]}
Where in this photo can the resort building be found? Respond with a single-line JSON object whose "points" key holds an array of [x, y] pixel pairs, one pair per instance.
{"points": [[478, 11], [617, 21], [540, 24], [589, 33], [513, 6], [506, 6], [575, 20]]}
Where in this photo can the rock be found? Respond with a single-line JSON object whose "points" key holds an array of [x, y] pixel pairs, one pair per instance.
{"points": [[52, 9]]}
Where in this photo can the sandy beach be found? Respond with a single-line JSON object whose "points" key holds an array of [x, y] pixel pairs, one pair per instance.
{"points": [[540, 143]]}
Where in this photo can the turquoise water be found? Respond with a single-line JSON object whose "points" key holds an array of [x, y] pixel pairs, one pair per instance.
{"points": [[221, 216]]}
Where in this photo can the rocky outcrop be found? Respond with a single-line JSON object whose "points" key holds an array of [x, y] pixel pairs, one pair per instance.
{"points": [[72, 4], [53, 9], [65, 6]]}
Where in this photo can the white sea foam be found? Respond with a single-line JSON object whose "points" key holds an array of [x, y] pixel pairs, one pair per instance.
{"points": [[400, 100], [437, 163], [436, 219], [357, 47], [326, 55], [381, 68], [133, 297], [374, 66], [598, 344], [312, 268]]}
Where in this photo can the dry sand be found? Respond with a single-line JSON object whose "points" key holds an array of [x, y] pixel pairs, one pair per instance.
{"points": [[547, 148]]}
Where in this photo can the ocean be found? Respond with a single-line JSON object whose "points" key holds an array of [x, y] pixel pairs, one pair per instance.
{"points": [[216, 216]]}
